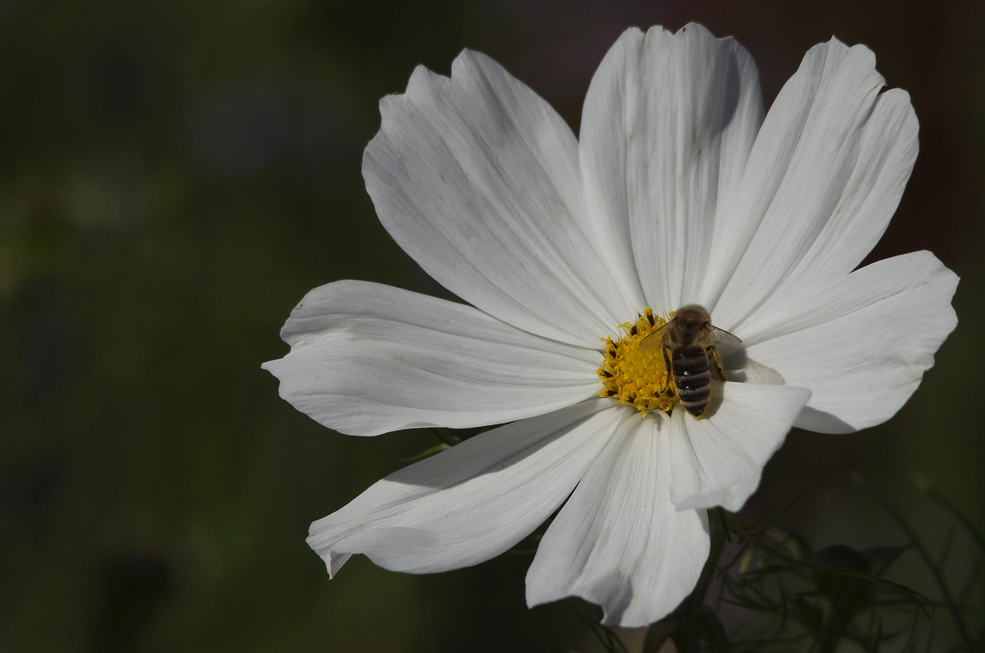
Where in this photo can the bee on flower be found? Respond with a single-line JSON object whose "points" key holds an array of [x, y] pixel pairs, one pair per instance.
{"points": [[679, 191]]}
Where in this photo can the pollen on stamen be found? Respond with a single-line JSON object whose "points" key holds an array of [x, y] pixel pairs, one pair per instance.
{"points": [[633, 377]]}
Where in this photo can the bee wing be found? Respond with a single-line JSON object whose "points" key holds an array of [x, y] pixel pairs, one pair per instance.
{"points": [[654, 339], [721, 335]]}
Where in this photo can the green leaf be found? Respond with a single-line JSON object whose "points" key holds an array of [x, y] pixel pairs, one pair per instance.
{"points": [[427, 453]]}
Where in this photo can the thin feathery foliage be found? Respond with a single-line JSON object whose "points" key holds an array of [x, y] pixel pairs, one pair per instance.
{"points": [[766, 588]]}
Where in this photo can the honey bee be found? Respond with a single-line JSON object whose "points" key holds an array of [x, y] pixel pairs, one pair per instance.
{"points": [[688, 343]]}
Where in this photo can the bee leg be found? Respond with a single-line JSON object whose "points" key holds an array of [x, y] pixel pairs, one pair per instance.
{"points": [[667, 364], [716, 362]]}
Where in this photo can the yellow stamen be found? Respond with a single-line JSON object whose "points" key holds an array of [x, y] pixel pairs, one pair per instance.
{"points": [[633, 377]]}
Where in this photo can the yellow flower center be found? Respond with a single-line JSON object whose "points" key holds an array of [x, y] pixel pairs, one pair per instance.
{"points": [[633, 377]]}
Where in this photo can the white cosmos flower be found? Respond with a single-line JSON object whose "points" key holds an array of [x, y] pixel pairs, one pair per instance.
{"points": [[677, 190]]}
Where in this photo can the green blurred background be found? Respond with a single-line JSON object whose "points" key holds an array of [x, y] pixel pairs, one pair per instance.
{"points": [[174, 176]]}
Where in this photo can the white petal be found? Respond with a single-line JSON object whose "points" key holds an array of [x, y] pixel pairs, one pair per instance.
{"points": [[862, 343], [477, 178], [719, 457], [823, 180], [618, 541], [666, 130], [367, 359], [471, 502]]}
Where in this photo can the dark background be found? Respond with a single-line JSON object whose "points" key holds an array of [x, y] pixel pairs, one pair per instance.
{"points": [[174, 176]]}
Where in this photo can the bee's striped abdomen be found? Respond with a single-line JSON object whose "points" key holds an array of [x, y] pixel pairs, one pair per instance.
{"points": [[692, 377]]}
